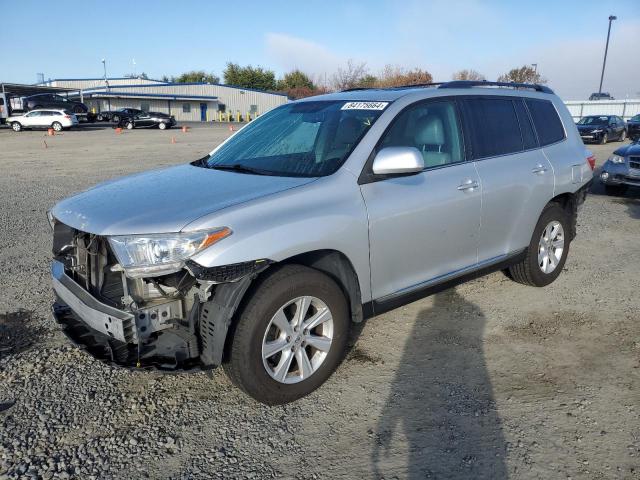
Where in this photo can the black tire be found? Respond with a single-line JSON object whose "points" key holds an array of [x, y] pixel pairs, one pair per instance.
{"points": [[615, 190], [16, 126], [130, 126], [162, 126], [604, 139], [99, 117], [57, 126], [527, 271], [243, 363]]}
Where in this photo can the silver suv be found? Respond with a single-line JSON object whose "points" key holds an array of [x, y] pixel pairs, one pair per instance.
{"points": [[320, 213]]}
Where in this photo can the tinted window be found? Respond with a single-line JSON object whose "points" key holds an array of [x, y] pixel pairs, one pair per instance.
{"points": [[526, 128], [432, 128], [546, 121], [186, 107], [492, 127], [1, 101]]}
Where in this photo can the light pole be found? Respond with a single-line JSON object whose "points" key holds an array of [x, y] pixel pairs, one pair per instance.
{"points": [[606, 49], [104, 66]]}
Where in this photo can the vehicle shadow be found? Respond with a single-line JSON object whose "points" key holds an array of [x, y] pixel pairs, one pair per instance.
{"points": [[440, 420], [17, 332]]}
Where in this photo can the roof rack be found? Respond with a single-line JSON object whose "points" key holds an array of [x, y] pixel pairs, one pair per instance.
{"points": [[485, 83], [461, 84]]}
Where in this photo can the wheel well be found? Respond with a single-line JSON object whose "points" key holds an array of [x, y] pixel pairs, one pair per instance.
{"points": [[569, 203], [336, 265]]}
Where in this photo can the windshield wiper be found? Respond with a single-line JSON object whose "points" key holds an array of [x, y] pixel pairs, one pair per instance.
{"points": [[236, 167]]}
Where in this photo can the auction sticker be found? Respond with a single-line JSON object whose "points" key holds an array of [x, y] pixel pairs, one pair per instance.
{"points": [[364, 106]]}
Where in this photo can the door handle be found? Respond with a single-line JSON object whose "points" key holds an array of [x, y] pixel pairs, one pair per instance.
{"points": [[539, 169], [468, 185]]}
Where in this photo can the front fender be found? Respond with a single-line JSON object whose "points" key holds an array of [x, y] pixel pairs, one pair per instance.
{"points": [[328, 214]]}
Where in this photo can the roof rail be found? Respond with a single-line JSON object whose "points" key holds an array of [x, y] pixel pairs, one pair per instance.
{"points": [[485, 83], [398, 87]]}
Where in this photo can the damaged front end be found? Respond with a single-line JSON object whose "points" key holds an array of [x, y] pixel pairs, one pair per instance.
{"points": [[174, 321]]}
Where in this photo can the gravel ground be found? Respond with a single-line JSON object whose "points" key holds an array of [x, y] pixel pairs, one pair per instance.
{"points": [[489, 380]]}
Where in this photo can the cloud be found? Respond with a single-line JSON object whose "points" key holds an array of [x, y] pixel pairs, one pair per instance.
{"points": [[289, 52]]}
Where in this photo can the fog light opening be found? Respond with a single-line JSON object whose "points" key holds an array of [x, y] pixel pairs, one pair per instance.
{"points": [[604, 176]]}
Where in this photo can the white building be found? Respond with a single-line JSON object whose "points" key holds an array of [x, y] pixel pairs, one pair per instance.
{"points": [[185, 101]]}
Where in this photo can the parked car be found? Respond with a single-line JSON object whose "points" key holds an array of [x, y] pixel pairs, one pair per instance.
{"points": [[633, 127], [320, 213], [51, 100], [601, 96], [118, 115], [147, 120], [602, 128], [622, 169], [46, 118]]}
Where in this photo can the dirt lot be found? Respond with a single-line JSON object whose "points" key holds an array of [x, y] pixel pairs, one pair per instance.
{"points": [[490, 380]]}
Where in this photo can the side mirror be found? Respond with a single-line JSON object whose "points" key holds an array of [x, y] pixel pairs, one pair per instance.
{"points": [[398, 160]]}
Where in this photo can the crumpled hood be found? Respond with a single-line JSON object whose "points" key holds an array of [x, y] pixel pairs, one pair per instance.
{"points": [[589, 128], [164, 200]]}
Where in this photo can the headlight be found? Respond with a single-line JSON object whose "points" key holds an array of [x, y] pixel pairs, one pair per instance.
{"points": [[616, 159], [160, 254]]}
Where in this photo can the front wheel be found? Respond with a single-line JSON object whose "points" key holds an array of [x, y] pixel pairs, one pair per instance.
{"points": [[57, 126], [16, 126], [162, 126], [547, 251], [129, 125], [290, 336]]}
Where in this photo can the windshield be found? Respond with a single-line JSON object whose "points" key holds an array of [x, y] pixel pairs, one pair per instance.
{"points": [[635, 118], [593, 121], [307, 139]]}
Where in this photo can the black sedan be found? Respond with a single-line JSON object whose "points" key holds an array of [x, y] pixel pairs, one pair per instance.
{"points": [[602, 128], [116, 115], [633, 127], [147, 120]]}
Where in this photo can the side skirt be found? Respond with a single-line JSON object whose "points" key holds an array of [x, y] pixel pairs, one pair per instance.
{"points": [[379, 306]]}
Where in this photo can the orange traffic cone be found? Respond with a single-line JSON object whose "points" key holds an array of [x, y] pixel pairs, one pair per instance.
{"points": [[51, 132], [185, 129], [231, 128], [118, 130]]}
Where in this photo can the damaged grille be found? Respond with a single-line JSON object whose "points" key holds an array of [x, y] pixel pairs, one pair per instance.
{"points": [[87, 259]]}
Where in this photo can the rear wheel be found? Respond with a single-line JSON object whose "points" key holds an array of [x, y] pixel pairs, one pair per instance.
{"points": [[16, 126], [548, 249], [290, 336], [162, 126], [57, 126]]}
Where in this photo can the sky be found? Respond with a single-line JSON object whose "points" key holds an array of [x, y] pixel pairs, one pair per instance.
{"points": [[565, 38]]}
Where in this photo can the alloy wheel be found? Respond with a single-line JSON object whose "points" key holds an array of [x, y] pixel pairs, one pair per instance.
{"points": [[297, 340], [550, 247]]}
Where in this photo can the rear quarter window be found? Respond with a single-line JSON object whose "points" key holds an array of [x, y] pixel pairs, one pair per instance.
{"points": [[546, 121]]}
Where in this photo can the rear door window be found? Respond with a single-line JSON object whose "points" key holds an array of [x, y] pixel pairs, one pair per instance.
{"points": [[492, 127], [546, 121]]}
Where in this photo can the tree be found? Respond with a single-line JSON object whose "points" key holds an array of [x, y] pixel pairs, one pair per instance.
{"points": [[524, 74], [396, 76], [196, 76], [468, 75], [295, 80], [351, 76], [249, 77]]}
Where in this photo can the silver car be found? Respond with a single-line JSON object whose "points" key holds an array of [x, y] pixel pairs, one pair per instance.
{"points": [[320, 213]]}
